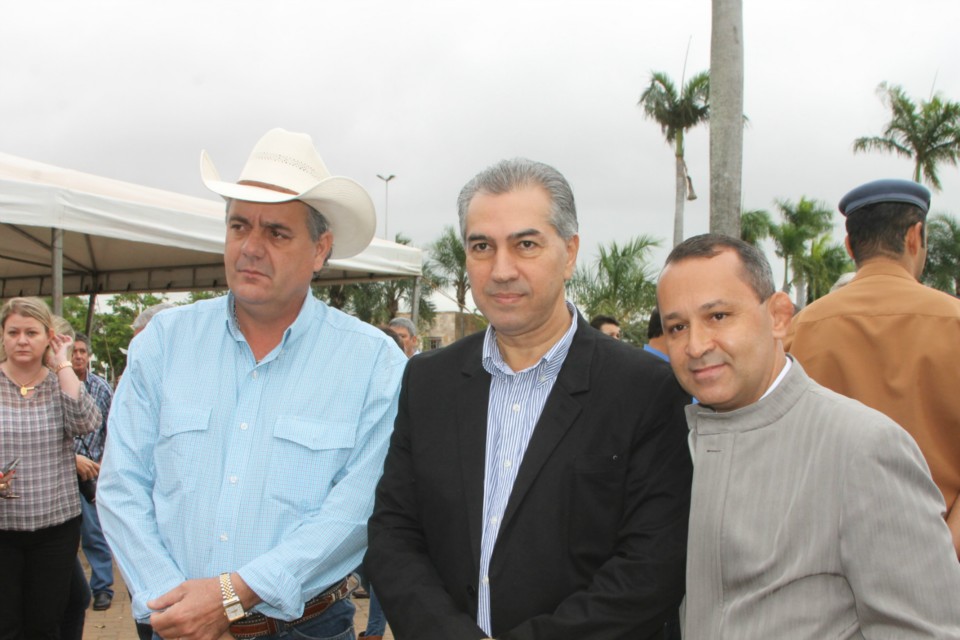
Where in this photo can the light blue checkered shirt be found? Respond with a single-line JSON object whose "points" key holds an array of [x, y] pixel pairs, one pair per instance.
{"points": [[217, 463], [516, 402]]}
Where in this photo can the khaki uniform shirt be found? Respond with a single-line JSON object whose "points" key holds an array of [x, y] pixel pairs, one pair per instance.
{"points": [[894, 345]]}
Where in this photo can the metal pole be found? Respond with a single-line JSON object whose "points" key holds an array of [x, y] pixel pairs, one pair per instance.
{"points": [[57, 267], [386, 203], [415, 305]]}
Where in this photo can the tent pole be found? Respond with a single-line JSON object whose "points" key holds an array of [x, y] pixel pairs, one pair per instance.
{"points": [[57, 263], [415, 305], [91, 307]]}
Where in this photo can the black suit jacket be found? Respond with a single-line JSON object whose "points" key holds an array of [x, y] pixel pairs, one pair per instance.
{"points": [[593, 541]]}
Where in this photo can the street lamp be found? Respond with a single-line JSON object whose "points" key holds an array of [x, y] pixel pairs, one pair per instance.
{"points": [[386, 202]]}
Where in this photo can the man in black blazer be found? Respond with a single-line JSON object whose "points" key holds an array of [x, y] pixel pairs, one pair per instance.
{"points": [[538, 480]]}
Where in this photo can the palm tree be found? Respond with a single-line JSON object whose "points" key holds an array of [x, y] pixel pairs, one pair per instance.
{"points": [[755, 225], [928, 133], [377, 302], [676, 113], [620, 283], [726, 116], [943, 254], [821, 266], [448, 261], [802, 222]]}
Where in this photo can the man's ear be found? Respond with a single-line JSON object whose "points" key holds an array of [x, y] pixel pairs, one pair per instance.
{"points": [[781, 312], [846, 243], [573, 248], [914, 241], [324, 247]]}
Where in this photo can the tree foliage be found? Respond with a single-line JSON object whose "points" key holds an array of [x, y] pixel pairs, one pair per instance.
{"points": [[378, 302], [928, 132], [821, 265], [620, 283], [755, 225], [801, 222], [943, 254], [111, 332], [448, 268], [676, 113]]}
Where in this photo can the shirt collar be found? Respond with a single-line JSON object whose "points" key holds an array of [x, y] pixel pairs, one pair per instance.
{"points": [[779, 378], [882, 267], [297, 328], [552, 360]]}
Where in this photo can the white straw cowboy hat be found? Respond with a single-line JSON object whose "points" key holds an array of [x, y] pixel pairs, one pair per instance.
{"points": [[289, 161]]}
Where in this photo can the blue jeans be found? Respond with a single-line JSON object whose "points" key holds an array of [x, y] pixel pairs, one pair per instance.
{"points": [[96, 550], [336, 623], [376, 621]]}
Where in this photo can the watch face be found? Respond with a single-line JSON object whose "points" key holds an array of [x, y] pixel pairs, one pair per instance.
{"points": [[234, 611]]}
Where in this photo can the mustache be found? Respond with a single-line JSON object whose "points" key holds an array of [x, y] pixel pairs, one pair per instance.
{"points": [[703, 363], [244, 264], [508, 290]]}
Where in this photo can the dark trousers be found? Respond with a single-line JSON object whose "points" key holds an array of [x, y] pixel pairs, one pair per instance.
{"points": [[71, 626], [37, 570]]}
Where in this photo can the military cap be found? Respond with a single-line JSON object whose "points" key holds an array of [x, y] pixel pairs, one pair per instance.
{"points": [[905, 191]]}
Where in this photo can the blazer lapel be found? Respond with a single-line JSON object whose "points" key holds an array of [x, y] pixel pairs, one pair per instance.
{"points": [[472, 402], [559, 413]]}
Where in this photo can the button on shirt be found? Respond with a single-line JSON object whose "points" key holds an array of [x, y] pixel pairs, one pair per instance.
{"points": [[516, 402], [216, 462]]}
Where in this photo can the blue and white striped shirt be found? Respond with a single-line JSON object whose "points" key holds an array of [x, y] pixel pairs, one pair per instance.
{"points": [[216, 462], [516, 402]]}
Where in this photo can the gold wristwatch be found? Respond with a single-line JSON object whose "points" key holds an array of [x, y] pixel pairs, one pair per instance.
{"points": [[231, 601]]}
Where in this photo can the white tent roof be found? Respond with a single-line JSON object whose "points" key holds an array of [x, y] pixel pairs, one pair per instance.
{"points": [[123, 237]]}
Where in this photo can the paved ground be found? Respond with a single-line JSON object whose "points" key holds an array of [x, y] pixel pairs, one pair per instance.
{"points": [[116, 623]]}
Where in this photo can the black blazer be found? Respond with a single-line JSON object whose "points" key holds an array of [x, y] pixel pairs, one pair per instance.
{"points": [[593, 541]]}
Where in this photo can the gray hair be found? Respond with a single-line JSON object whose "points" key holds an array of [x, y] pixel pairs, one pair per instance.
{"points": [[510, 175], [406, 323], [147, 315]]}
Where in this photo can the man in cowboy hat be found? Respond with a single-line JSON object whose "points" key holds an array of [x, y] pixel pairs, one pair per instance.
{"points": [[248, 431]]}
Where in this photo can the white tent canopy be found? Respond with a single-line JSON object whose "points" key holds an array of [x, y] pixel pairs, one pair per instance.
{"points": [[121, 237]]}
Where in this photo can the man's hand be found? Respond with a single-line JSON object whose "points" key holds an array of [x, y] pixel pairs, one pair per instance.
{"points": [[192, 611], [87, 469]]}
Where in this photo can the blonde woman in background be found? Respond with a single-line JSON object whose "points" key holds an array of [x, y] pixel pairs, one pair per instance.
{"points": [[43, 407]]}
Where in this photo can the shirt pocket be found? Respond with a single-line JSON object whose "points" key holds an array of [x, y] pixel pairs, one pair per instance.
{"points": [[307, 458], [182, 450]]}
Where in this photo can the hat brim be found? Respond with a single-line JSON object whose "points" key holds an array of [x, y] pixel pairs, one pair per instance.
{"points": [[343, 202]]}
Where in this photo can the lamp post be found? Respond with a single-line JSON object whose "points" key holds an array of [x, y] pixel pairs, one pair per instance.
{"points": [[386, 202]]}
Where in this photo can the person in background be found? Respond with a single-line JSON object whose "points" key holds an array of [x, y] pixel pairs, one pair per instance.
{"points": [[407, 331], [43, 407], [607, 325], [656, 342], [887, 340], [75, 613], [89, 450], [145, 316]]}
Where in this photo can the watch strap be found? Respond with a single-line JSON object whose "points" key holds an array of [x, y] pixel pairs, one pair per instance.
{"points": [[231, 601]]}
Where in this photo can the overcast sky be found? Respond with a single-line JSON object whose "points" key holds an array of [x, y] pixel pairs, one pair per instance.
{"points": [[433, 91]]}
